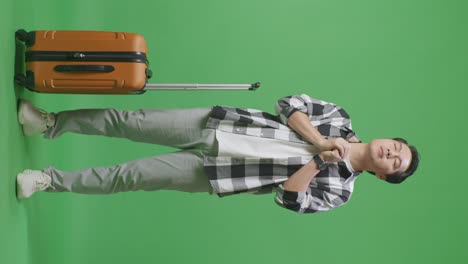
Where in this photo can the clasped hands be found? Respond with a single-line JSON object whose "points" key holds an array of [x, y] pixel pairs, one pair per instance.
{"points": [[333, 149]]}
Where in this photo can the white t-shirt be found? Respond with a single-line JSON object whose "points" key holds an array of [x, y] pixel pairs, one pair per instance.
{"points": [[239, 145]]}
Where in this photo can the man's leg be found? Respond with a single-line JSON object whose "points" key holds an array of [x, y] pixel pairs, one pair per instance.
{"points": [[179, 128], [181, 171]]}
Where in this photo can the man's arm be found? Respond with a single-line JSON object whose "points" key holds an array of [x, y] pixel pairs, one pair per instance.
{"points": [[296, 111], [300, 180], [300, 123], [296, 195]]}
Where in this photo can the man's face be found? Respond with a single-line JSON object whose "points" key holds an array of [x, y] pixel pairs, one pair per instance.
{"points": [[389, 156]]}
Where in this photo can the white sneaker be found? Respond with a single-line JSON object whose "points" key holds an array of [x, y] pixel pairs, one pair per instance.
{"points": [[33, 119], [31, 181]]}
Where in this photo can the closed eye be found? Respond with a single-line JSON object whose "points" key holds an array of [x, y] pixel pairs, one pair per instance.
{"points": [[397, 163]]}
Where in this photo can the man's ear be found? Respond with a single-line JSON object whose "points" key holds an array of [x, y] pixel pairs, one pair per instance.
{"points": [[381, 176]]}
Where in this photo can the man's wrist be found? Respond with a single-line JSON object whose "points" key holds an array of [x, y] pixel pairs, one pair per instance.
{"points": [[319, 161], [321, 142], [321, 156]]}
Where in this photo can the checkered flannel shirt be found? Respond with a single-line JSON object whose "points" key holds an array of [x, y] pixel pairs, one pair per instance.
{"points": [[330, 188]]}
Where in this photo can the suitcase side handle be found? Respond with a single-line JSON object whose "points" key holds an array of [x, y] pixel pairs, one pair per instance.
{"points": [[84, 68]]}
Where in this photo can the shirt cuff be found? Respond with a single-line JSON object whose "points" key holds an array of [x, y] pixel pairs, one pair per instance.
{"points": [[290, 199], [286, 113]]}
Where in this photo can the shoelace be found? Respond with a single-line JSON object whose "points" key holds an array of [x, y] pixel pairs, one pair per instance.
{"points": [[48, 119], [43, 182]]}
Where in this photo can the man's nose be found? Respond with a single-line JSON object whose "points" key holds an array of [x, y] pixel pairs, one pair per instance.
{"points": [[392, 153]]}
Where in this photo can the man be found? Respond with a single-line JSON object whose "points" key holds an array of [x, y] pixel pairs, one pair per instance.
{"points": [[307, 153]]}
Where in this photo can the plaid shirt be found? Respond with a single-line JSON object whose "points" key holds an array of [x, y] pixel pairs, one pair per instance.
{"points": [[330, 188]]}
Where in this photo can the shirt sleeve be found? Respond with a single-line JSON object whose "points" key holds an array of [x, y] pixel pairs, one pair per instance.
{"points": [[317, 110], [311, 201]]}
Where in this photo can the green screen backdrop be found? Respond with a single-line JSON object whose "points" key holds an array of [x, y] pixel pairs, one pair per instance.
{"points": [[398, 67]]}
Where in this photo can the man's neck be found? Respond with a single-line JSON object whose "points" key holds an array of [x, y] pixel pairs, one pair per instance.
{"points": [[359, 156]]}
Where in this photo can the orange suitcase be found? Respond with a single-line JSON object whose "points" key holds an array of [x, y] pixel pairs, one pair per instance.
{"points": [[93, 62]]}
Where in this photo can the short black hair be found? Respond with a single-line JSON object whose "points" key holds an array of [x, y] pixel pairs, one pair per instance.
{"points": [[401, 176]]}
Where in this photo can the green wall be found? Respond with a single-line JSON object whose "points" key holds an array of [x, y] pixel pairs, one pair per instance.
{"points": [[398, 67]]}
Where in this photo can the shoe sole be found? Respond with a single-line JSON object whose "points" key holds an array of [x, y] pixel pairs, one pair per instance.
{"points": [[27, 130], [21, 112], [19, 191]]}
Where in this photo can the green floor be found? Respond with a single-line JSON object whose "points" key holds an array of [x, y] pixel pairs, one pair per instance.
{"points": [[398, 67]]}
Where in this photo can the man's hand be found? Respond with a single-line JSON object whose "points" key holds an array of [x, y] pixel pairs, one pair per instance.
{"points": [[330, 156], [339, 144]]}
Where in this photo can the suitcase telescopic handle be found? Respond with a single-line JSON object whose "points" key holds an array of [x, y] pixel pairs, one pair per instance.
{"points": [[194, 86], [84, 68]]}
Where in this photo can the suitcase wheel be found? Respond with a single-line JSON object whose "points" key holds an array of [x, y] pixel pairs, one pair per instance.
{"points": [[21, 80], [29, 38], [149, 74], [21, 35]]}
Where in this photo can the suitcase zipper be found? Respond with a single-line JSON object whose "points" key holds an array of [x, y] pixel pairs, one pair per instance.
{"points": [[138, 57]]}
